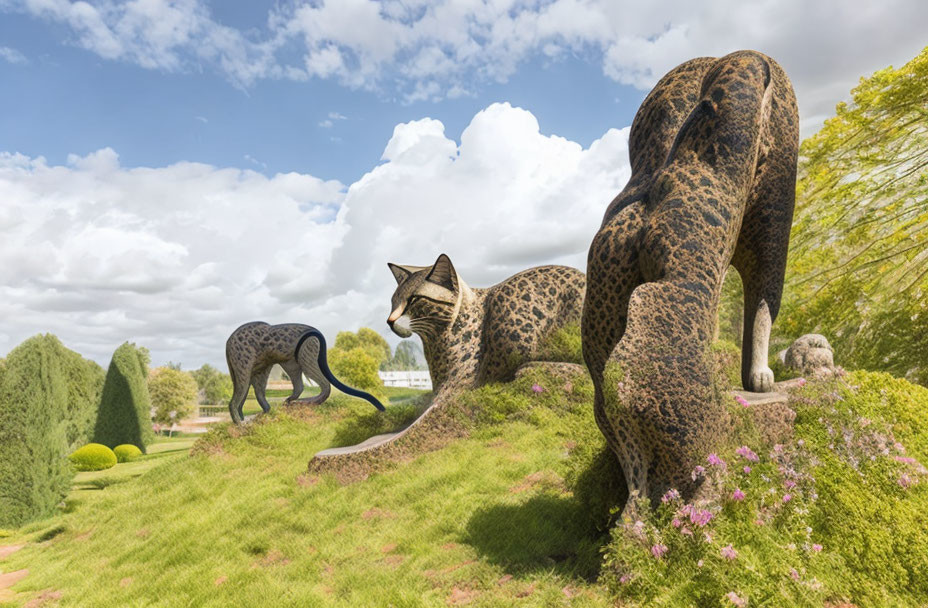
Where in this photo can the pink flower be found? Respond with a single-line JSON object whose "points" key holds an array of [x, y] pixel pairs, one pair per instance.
{"points": [[742, 401], [537, 388], [801, 382], [686, 531], [899, 447], [906, 481], [671, 494], [778, 448], [734, 599], [625, 578], [701, 517], [746, 453], [697, 472], [747, 470], [787, 497], [789, 484], [699, 564], [729, 552], [794, 574], [658, 551], [676, 523], [737, 494], [715, 461], [906, 460], [816, 547]]}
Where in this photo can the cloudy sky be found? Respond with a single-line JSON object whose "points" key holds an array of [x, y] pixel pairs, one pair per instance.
{"points": [[172, 169]]}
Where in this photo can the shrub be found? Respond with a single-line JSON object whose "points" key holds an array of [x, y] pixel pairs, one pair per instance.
{"points": [[367, 339], [126, 452], [85, 386], [125, 406], [833, 516], [93, 457], [34, 473], [563, 345]]}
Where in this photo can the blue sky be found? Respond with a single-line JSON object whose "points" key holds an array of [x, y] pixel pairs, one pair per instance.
{"points": [[170, 169], [70, 101]]}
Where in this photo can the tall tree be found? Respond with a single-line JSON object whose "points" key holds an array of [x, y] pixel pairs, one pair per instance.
{"points": [[173, 394], [34, 471], [367, 339], [213, 385], [858, 265], [125, 406]]}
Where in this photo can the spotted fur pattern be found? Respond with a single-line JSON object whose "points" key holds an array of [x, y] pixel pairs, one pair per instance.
{"points": [[254, 348], [473, 336], [713, 152]]}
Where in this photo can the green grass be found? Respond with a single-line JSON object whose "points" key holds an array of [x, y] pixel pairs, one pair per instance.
{"points": [[489, 520], [486, 519]]}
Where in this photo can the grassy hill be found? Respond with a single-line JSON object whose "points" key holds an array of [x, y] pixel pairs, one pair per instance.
{"points": [[508, 516]]}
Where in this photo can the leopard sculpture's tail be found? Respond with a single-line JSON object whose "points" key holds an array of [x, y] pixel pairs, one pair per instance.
{"points": [[324, 368]]}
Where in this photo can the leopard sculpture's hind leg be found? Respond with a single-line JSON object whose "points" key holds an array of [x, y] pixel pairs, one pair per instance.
{"points": [[259, 382], [308, 360]]}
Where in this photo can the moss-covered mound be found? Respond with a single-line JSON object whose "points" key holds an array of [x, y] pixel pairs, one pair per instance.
{"points": [[126, 452], [837, 514], [93, 457]]}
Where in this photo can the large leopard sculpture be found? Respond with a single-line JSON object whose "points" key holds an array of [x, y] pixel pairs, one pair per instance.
{"points": [[713, 152]]}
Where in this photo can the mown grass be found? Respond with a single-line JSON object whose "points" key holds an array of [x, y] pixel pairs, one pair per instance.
{"points": [[491, 520], [485, 521]]}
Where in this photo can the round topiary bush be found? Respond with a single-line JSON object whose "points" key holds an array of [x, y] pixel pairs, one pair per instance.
{"points": [[93, 457], [126, 452]]}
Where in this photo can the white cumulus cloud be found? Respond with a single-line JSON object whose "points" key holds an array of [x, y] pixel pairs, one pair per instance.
{"points": [[176, 257]]}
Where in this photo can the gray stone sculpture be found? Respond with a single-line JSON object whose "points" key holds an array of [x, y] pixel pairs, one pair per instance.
{"points": [[254, 348], [810, 354]]}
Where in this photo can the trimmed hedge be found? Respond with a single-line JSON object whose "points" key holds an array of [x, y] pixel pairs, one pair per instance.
{"points": [[125, 406], [93, 457], [85, 386], [126, 452], [34, 471]]}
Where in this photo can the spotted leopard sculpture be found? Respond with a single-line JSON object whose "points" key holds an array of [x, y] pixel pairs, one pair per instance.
{"points": [[470, 337], [713, 152], [254, 348], [474, 336]]}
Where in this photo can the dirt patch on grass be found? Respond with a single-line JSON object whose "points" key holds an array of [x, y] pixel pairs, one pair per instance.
{"points": [[45, 597], [11, 578], [7, 550]]}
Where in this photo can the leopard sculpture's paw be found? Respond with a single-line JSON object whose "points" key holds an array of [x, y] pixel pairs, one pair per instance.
{"points": [[761, 380]]}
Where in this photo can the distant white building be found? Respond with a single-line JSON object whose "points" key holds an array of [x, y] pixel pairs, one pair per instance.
{"points": [[409, 379]]}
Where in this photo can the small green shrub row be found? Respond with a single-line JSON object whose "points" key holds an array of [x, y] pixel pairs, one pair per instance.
{"points": [[93, 457], [126, 452]]}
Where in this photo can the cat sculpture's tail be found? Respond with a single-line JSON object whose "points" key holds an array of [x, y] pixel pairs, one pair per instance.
{"points": [[324, 368]]}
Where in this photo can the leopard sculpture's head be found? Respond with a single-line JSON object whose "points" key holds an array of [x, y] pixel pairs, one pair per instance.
{"points": [[426, 300]]}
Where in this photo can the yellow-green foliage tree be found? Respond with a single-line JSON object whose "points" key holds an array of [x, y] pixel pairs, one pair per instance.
{"points": [[125, 407], [214, 386], [173, 394], [356, 358], [858, 264], [367, 339], [34, 471]]}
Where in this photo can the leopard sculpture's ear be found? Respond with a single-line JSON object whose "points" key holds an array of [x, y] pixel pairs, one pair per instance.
{"points": [[402, 272], [443, 273]]}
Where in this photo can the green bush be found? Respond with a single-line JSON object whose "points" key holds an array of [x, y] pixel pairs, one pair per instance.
{"points": [[835, 515], [34, 472], [126, 452], [563, 345], [726, 358], [93, 457], [85, 386], [125, 406]]}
